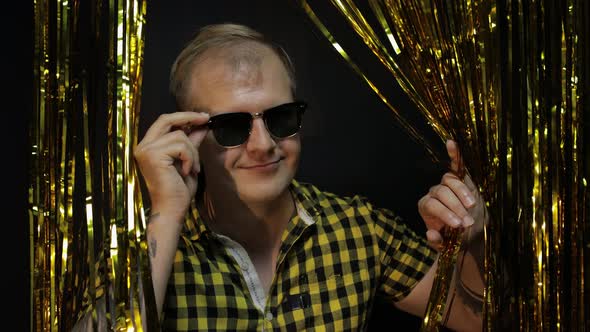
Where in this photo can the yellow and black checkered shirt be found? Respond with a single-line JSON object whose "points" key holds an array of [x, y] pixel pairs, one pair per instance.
{"points": [[337, 254]]}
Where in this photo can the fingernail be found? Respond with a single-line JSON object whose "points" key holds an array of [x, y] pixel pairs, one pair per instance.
{"points": [[468, 221], [455, 222], [470, 200]]}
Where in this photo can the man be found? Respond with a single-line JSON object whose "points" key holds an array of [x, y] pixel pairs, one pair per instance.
{"points": [[237, 244]]}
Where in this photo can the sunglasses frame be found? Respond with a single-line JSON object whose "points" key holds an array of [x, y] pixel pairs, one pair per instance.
{"points": [[301, 105]]}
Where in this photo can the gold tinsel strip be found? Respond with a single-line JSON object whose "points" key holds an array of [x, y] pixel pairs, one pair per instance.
{"points": [[509, 81], [405, 125], [425, 99], [127, 227], [68, 219]]}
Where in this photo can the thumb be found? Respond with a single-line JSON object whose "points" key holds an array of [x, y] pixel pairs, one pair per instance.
{"points": [[454, 155], [192, 183], [197, 136]]}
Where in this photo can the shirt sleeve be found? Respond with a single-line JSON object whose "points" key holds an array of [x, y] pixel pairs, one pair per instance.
{"points": [[405, 257]]}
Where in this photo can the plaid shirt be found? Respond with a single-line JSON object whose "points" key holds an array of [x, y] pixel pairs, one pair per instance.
{"points": [[337, 254]]}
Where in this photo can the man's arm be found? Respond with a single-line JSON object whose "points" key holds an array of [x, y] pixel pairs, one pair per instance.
{"points": [[168, 160], [463, 310], [162, 237], [454, 203]]}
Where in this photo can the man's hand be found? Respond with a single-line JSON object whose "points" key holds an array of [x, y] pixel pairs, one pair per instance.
{"points": [[453, 202], [168, 159], [457, 203]]}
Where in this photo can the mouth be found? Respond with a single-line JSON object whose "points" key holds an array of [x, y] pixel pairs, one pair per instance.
{"points": [[264, 166]]}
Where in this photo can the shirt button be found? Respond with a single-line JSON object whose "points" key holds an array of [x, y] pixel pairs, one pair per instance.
{"points": [[269, 316], [244, 267]]}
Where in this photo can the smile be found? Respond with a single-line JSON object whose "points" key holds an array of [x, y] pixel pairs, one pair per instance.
{"points": [[262, 167]]}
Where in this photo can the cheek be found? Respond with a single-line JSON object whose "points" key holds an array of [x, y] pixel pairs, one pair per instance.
{"points": [[230, 157], [292, 148], [214, 156]]}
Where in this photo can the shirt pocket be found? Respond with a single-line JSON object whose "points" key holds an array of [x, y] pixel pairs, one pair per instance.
{"points": [[334, 302]]}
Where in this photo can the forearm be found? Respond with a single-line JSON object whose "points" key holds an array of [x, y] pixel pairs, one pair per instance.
{"points": [[467, 287], [162, 236]]}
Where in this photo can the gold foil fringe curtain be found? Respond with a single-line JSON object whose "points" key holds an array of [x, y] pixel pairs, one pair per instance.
{"points": [[510, 81], [85, 207]]}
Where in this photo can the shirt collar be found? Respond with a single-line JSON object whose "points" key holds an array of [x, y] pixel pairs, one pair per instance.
{"points": [[307, 209]]}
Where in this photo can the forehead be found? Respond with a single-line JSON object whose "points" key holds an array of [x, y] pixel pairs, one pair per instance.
{"points": [[223, 77], [241, 67], [241, 62]]}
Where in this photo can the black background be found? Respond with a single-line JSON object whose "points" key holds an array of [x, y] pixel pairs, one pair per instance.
{"points": [[351, 142], [16, 56]]}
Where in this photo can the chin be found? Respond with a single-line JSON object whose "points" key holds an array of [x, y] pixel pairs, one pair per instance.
{"points": [[257, 191]]}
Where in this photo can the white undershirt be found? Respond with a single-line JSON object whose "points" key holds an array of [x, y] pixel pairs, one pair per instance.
{"points": [[257, 292]]}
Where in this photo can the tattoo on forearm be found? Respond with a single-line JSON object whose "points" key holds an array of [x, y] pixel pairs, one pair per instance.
{"points": [[470, 298], [153, 245]]}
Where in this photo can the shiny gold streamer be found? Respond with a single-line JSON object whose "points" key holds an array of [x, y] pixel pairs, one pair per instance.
{"points": [[405, 124], [509, 80], [86, 217], [433, 65]]}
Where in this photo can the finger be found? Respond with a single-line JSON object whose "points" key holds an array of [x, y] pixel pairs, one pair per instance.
{"points": [[450, 200], [196, 163], [197, 136], [166, 122], [178, 147], [191, 183], [454, 155], [469, 183], [432, 222], [182, 155], [179, 137], [460, 189], [435, 209], [434, 239]]}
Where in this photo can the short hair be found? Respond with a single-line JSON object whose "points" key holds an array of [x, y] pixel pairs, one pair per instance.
{"points": [[220, 37]]}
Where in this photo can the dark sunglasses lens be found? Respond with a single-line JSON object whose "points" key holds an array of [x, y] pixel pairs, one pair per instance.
{"points": [[231, 129], [285, 120]]}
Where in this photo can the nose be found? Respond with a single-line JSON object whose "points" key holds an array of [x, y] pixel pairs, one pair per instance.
{"points": [[260, 143]]}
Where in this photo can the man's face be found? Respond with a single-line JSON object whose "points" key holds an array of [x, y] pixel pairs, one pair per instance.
{"points": [[262, 168]]}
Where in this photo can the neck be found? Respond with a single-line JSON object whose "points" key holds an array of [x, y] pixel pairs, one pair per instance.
{"points": [[258, 226]]}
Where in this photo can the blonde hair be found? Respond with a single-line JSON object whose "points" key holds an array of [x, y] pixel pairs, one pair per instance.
{"points": [[225, 36]]}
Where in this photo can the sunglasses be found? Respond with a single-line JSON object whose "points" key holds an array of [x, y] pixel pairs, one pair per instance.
{"points": [[233, 129]]}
